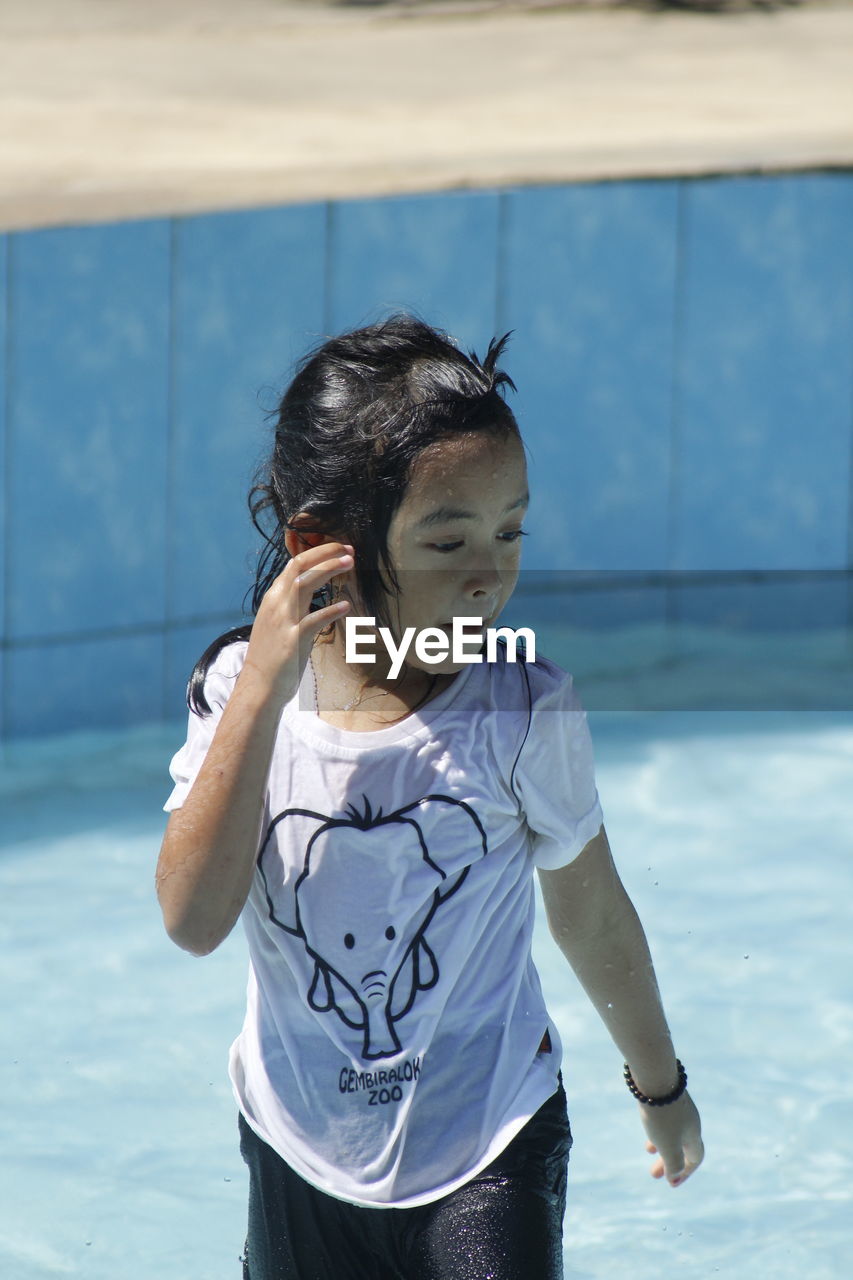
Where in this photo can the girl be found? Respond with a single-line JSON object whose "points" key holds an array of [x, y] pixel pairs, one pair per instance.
{"points": [[397, 1075]]}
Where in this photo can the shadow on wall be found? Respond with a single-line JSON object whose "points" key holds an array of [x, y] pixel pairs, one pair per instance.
{"points": [[683, 351]]}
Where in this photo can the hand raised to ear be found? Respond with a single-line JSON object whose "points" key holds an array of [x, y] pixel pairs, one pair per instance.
{"points": [[285, 628]]}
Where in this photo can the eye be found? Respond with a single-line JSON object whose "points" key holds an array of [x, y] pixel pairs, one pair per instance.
{"points": [[390, 933], [514, 535], [444, 547], [349, 941]]}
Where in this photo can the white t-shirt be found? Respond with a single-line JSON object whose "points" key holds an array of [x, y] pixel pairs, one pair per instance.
{"points": [[390, 1049]]}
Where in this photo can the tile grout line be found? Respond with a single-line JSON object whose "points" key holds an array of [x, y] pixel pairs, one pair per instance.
{"points": [[328, 252], [503, 198], [850, 476], [679, 294], [169, 503], [7, 482]]}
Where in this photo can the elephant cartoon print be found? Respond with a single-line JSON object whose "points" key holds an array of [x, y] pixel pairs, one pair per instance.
{"points": [[368, 888]]}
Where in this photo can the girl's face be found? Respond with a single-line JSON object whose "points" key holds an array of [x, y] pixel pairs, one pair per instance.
{"points": [[455, 539]]}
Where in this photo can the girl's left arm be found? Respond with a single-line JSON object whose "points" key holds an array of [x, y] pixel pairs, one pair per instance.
{"points": [[594, 924]]}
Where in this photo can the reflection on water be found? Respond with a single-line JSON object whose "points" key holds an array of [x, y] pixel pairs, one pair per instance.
{"points": [[769, 641]]}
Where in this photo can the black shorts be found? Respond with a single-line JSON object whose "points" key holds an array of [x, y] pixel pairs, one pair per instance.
{"points": [[506, 1224]]}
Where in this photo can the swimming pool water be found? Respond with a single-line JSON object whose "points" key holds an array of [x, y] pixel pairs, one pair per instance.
{"points": [[733, 833]]}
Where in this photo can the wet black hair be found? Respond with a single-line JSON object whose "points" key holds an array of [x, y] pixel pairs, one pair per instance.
{"points": [[357, 414]]}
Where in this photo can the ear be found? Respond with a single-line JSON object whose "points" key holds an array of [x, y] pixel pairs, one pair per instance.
{"points": [[301, 534]]}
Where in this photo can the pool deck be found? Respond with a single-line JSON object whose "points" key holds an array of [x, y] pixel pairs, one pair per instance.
{"points": [[115, 109]]}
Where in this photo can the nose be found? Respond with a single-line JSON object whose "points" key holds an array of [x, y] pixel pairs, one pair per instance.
{"points": [[483, 589]]}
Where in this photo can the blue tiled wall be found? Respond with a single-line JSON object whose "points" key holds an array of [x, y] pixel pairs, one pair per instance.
{"points": [[436, 255], [248, 292], [589, 279], [4, 454], [88, 430], [683, 351], [764, 374]]}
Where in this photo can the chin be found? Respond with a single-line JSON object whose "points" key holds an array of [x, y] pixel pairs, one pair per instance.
{"points": [[447, 667]]}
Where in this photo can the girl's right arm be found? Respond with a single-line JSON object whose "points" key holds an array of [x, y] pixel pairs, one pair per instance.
{"points": [[208, 854]]}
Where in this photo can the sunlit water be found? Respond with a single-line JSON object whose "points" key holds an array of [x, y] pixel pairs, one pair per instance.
{"points": [[733, 832]]}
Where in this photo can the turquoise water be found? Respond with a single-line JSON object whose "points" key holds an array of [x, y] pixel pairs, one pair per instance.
{"points": [[733, 831]]}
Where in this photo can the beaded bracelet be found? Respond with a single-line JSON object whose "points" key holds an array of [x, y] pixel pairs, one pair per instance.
{"points": [[658, 1102]]}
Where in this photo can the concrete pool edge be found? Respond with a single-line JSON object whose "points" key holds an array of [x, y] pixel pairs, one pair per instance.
{"points": [[197, 113]]}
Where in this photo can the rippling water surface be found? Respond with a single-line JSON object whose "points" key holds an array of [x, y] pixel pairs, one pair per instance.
{"points": [[734, 834]]}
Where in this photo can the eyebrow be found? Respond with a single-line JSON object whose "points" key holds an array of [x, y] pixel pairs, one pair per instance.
{"points": [[444, 515]]}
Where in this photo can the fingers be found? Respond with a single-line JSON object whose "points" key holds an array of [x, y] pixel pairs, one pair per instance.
{"points": [[676, 1171], [676, 1179], [694, 1154], [670, 1164], [312, 579], [677, 1142], [303, 576], [285, 628], [314, 570], [328, 559], [657, 1169]]}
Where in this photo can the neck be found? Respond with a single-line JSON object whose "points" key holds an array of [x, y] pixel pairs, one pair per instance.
{"points": [[342, 687]]}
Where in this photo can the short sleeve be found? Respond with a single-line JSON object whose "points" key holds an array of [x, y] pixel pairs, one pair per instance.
{"points": [[218, 684], [555, 771]]}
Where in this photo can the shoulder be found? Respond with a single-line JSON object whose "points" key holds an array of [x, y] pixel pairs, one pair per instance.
{"points": [[530, 684], [221, 676], [228, 663], [547, 677]]}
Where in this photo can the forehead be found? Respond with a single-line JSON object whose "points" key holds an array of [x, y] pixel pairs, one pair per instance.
{"points": [[479, 463]]}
